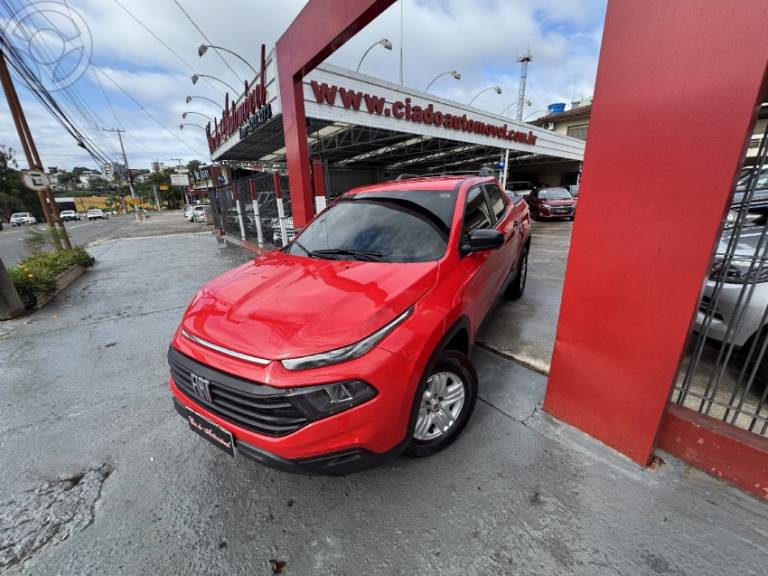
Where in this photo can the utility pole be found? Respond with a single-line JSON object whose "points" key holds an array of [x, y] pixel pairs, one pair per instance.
{"points": [[524, 60], [48, 204], [157, 200], [127, 168]]}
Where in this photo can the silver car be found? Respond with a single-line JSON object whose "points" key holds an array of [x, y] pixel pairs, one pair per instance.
{"points": [[734, 295]]}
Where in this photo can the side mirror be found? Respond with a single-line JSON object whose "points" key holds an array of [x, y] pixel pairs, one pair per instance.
{"points": [[482, 239]]}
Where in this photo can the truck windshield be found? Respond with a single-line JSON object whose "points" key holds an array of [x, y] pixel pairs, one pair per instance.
{"points": [[409, 226]]}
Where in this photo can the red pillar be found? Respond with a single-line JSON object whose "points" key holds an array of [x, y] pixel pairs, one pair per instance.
{"points": [[318, 31], [676, 93]]}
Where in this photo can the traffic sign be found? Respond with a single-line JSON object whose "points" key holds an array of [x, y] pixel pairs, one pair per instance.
{"points": [[35, 180]]}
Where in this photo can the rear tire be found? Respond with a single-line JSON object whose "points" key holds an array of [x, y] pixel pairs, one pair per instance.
{"points": [[444, 404], [517, 286]]}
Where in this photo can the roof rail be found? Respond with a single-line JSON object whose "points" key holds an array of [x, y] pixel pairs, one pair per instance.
{"points": [[407, 177]]}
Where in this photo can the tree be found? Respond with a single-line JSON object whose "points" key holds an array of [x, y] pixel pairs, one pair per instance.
{"points": [[172, 197], [14, 196], [194, 165]]}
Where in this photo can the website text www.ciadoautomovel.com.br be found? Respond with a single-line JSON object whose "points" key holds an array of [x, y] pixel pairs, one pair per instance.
{"points": [[405, 110]]}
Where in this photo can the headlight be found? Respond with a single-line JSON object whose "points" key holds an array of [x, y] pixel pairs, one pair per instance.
{"points": [[739, 273], [348, 352], [317, 402]]}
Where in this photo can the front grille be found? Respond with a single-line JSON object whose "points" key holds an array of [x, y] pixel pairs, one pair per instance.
{"points": [[257, 407]]}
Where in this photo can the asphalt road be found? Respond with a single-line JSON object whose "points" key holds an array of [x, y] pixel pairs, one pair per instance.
{"points": [[12, 239]]}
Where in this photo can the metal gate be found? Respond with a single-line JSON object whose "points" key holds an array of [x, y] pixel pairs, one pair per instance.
{"points": [[725, 371], [249, 209]]}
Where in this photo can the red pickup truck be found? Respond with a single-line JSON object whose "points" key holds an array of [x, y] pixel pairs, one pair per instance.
{"points": [[351, 344]]}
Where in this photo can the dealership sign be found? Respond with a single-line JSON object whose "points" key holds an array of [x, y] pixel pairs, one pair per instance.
{"points": [[408, 111], [210, 176], [245, 116], [179, 179]]}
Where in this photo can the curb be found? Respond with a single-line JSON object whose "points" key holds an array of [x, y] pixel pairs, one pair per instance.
{"points": [[63, 280]]}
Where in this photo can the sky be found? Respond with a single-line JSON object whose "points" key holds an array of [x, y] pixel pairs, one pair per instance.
{"points": [[482, 39]]}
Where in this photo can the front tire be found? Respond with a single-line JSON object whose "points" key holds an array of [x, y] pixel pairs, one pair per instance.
{"points": [[444, 405]]}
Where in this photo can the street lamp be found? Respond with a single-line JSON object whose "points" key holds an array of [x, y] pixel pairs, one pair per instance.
{"points": [[527, 103], [203, 48], [534, 112], [189, 99], [453, 74], [196, 77], [181, 126], [184, 115], [496, 89], [383, 42]]}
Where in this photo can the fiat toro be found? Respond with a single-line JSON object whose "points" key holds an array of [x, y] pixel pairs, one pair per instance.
{"points": [[351, 344]]}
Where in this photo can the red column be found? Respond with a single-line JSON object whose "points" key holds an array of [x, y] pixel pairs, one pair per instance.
{"points": [[319, 30], [676, 92]]}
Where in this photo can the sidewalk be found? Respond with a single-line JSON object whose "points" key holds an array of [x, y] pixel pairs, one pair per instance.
{"points": [[101, 476]]}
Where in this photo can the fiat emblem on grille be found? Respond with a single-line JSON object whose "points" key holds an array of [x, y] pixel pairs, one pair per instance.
{"points": [[201, 386]]}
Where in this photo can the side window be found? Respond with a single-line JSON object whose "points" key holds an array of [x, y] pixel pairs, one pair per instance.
{"points": [[497, 202], [476, 213]]}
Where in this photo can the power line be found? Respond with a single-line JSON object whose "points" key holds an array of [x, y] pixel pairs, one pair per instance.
{"points": [[148, 113], [167, 47], [40, 91], [227, 64], [75, 98]]}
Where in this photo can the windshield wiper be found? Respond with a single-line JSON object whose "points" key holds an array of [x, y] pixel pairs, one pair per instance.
{"points": [[365, 255], [307, 250]]}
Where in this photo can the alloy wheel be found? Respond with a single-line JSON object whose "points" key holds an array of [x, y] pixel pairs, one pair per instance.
{"points": [[440, 406]]}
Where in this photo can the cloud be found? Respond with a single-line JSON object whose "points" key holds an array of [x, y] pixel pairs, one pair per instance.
{"points": [[481, 38]]}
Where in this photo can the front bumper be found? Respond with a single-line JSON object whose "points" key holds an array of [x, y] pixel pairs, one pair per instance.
{"points": [[335, 464], [355, 439], [726, 311], [557, 212]]}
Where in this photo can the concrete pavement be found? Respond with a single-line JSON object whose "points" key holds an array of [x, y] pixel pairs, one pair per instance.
{"points": [[100, 476], [525, 329]]}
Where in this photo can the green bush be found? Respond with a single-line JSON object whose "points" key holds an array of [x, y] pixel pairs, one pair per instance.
{"points": [[38, 273], [35, 241]]}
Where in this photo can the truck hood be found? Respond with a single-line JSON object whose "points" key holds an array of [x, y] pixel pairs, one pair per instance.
{"points": [[280, 306]]}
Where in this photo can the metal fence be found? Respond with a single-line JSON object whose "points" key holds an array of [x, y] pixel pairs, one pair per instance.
{"points": [[249, 209], [725, 370]]}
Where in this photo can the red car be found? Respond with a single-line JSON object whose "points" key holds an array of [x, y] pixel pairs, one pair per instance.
{"points": [[351, 344], [551, 203]]}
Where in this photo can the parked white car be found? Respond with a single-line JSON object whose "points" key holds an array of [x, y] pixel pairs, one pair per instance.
{"points": [[96, 214], [198, 213], [69, 216], [22, 218], [189, 214], [733, 296]]}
